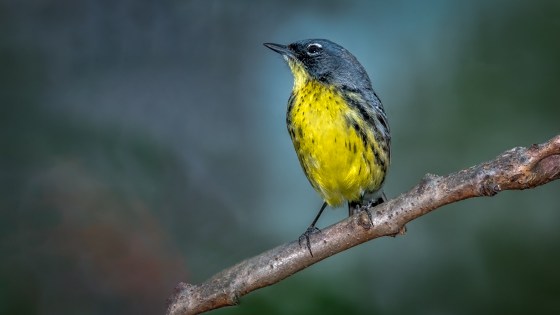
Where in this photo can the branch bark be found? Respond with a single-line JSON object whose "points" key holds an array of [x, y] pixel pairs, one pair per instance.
{"points": [[515, 169]]}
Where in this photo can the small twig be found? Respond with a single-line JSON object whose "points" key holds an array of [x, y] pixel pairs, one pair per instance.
{"points": [[518, 168]]}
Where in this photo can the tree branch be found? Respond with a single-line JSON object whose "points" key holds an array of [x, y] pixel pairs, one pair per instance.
{"points": [[518, 168]]}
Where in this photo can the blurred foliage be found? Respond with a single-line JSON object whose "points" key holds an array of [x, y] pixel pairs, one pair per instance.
{"points": [[143, 144]]}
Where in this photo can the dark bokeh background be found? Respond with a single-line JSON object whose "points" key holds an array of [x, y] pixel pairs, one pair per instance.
{"points": [[143, 143]]}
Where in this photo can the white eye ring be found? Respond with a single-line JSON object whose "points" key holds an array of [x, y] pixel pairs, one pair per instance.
{"points": [[313, 49]]}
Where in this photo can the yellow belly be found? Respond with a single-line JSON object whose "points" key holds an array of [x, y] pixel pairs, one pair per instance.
{"points": [[339, 161]]}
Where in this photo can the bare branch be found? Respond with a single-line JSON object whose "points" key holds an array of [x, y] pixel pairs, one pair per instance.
{"points": [[518, 168]]}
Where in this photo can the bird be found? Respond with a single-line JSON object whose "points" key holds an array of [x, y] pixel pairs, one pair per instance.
{"points": [[338, 126]]}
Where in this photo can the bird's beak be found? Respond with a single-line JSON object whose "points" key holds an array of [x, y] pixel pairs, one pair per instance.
{"points": [[281, 49]]}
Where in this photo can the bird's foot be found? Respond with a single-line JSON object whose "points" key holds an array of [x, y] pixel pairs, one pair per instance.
{"points": [[305, 236]]}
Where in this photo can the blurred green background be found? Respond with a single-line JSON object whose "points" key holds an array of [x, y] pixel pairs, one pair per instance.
{"points": [[143, 143]]}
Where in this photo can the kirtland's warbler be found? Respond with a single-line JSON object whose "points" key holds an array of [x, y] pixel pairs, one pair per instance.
{"points": [[337, 124]]}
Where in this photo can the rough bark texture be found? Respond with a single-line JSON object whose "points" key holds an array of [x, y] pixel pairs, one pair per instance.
{"points": [[518, 168]]}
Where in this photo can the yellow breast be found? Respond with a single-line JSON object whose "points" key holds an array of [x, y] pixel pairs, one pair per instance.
{"points": [[335, 146]]}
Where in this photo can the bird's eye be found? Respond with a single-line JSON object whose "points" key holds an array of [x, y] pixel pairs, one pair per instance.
{"points": [[314, 49]]}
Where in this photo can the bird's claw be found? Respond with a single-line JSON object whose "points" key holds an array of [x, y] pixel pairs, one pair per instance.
{"points": [[310, 230]]}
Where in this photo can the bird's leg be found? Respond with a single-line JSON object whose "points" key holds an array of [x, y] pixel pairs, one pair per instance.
{"points": [[311, 229], [356, 206]]}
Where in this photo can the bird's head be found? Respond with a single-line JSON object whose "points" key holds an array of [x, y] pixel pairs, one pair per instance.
{"points": [[324, 61]]}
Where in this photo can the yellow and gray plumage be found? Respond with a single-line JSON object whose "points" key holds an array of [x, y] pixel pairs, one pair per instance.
{"points": [[337, 123]]}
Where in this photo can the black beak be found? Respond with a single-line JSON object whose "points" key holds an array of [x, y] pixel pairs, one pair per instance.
{"points": [[281, 49]]}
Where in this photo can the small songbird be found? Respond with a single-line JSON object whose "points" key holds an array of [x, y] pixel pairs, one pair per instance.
{"points": [[337, 124]]}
